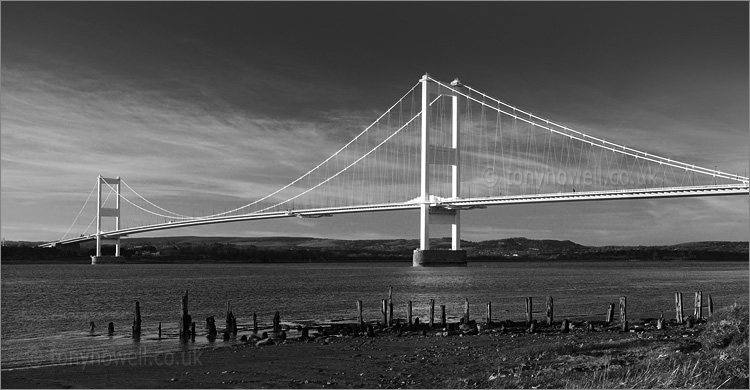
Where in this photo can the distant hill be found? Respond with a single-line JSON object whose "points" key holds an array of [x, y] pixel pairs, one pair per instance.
{"points": [[309, 249]]}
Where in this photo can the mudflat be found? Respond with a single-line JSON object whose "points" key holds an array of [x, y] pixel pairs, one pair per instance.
{"points": [[498, 357]]}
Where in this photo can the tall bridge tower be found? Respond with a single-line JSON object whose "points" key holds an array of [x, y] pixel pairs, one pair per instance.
{"points": [[439, 155], [102, 212]]}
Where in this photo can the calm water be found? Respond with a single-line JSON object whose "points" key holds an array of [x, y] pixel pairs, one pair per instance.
{"points": [[46, 309]]}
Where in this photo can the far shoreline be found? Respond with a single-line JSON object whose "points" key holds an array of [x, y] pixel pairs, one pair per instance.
{"points": [[369, 262]]}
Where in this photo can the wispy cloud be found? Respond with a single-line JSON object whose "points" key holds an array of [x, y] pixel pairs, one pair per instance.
{"points": [[204, 116]]}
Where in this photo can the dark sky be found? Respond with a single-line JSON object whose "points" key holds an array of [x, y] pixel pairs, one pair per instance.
{"points": [[668, 76]]}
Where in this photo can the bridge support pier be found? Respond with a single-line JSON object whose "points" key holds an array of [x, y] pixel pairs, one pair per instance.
{"points": [[439, 258], [107, 260], [439, 155]]}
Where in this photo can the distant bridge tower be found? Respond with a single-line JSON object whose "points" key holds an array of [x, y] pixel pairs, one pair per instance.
{"points": [[439, 155], [102, 212]]}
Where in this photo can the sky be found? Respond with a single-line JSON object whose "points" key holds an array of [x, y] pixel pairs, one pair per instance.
{"points": [[199, 104]]}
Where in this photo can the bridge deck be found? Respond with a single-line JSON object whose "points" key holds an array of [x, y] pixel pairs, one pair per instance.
{"points": [[462, 203]]}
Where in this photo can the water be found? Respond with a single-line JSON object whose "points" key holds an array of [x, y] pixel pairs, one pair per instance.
{"points": [[46, 309]]}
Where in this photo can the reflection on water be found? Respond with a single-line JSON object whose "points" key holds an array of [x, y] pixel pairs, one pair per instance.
{"points": [[46, 309]]}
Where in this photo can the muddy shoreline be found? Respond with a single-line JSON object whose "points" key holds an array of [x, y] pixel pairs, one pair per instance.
{"points": [[343, 357]]}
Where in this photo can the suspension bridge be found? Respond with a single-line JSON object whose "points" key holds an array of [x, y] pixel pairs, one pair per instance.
{"points": [[442, 148]]}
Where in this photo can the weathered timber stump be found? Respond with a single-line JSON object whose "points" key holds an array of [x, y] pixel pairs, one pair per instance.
{"points": [[137, 319], [408, 313], [466, 310], [660, 322], [389, 320], [610, 313], [678, 307], [276, 322], [698, 312], [359, 311], [528, 311], [211, 327], [186, 318], [489, 314], [432, 313], [550, 311], [111, 328]]}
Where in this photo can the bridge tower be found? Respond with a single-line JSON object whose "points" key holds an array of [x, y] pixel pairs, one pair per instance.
{"points": [[102, 212], [439, 155]]}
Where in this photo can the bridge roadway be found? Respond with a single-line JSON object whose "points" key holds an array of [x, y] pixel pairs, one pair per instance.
{"points": [[445, 203]]}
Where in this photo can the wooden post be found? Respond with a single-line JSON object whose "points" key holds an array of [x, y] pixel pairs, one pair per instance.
{"points": [[211, 326], [710, 306], [390, 310], [111, 328], [389, 320], [432, 313], [623, 309], [466, 311], [159, 329], [255, 323], [443, 322], [610, 313], [408, 313], [549, 311], [230, 319], [192, 331], [528, 311], [359, 309], [698, 314], [276, 322], [565, 326], [660, 322], [384, 311], [137, 319], [489, 314], [186, 319], [678, 307]]}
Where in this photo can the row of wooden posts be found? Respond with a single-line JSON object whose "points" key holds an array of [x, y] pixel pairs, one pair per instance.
{"points": [[187, 325], [387, 310]]}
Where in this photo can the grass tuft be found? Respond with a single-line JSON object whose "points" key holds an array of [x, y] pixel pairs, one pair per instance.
{"points": [[721, 362]]}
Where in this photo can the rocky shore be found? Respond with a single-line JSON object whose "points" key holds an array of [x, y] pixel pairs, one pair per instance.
{"points": [[505, 355]]}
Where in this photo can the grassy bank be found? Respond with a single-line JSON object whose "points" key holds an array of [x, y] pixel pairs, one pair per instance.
{"points": [[713, 357], [720, 360]]}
